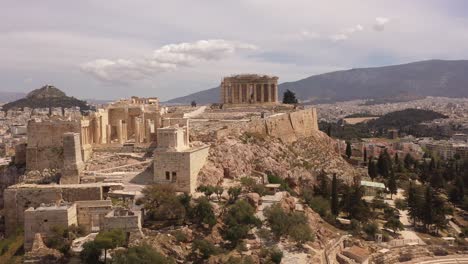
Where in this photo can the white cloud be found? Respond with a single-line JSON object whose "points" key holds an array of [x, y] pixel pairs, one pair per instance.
{"points": [[380, 23], [166, 58], [345, 34]]}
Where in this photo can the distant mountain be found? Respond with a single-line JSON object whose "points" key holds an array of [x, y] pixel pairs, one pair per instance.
{"points": [[389, 83], [203, 97], [47, 96], [6, 97]]}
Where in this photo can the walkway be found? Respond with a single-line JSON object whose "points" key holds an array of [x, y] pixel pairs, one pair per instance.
{"points": [[408, 233], [196, 112]]}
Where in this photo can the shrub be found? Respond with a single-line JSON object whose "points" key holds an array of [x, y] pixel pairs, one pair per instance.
{"points": [[202, 212], [400, 204], [238, 220], [276, 255], [143, 254], [295, 224], [319, 205], [205, 249], [180, 236], [371, 229]]}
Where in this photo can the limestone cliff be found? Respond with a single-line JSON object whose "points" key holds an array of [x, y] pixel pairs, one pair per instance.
{"points": [[299, 161]]}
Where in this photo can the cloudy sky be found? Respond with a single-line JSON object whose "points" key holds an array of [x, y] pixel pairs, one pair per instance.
{"points": [[118, 48]]}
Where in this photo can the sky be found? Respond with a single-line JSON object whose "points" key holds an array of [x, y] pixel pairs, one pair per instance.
{"points": [[96, 49]]}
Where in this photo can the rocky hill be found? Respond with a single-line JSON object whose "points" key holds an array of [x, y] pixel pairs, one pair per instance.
{"points": [[389, 83], [299, 162], [47, 96]]}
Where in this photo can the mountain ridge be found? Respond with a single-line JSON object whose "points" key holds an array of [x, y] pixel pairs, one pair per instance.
{"points": [[399, 82]]}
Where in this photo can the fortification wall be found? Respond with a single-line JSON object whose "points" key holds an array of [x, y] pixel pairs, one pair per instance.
{"points": [[19, 198], [45, 143], [288, 127]]}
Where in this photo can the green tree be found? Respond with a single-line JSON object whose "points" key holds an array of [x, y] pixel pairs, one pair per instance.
{"points": [[289, 97], [436, 180], [203, 212], [90, 253], [372, 168], [142, 254], [162, 203], [207, 190], [394, 224], [414, 201], [294, 224], [428, 214], [193, 104], [234, 193], [408, 161], [334, 196], [109, 240], [392, 184], [205, 249], [238, 220], [349, 150]]}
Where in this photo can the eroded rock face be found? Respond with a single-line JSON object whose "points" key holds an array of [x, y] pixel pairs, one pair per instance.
{"points": [[253, 199], [297, 162]]}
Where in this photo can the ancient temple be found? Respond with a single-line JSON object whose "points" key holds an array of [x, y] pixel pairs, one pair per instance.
{"points": [[249, 89]]}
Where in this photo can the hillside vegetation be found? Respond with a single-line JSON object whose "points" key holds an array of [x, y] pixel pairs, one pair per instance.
{"points": [[47, 96]]}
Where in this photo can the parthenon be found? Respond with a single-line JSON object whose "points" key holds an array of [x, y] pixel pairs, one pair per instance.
{"points": [[249, 89]]}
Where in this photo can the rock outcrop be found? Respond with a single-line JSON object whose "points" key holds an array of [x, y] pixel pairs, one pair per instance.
{"points": [[300, 161]]}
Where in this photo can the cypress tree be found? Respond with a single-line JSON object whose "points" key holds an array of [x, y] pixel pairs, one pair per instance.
{"points": [[289, 97], [348, 150], [427, 214], [408, 161], [413, 203], [392, 185], [334, 196], [365, 154]]}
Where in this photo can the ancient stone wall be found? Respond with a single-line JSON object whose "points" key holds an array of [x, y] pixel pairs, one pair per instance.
{"points": [[128, 221], [288, 127], [180, 168], [44, 219], [72, 161], [20, 197], [45, 143], [90, 214]]}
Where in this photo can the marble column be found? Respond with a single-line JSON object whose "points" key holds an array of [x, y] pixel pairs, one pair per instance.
{"points": [[119, 131], [108, 134], [262, 99]]}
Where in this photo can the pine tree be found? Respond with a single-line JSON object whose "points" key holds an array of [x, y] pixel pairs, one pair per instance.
{"points": [[349, 151], [392, 185], [334, 196], [289, 97], [436, 180], [427, 213], [413, 203]]}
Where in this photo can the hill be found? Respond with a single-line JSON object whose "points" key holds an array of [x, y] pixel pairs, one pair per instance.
{"points": [[404, 118], [46, 96], [389, 83]]}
